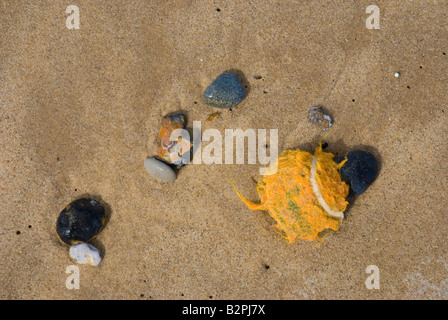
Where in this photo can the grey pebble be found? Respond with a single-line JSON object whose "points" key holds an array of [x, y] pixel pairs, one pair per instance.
{"points": [[225, 92], [160, 170]]}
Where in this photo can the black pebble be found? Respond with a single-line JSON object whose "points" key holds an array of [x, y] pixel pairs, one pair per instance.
{"points": [[80, 221], [359, 171]]}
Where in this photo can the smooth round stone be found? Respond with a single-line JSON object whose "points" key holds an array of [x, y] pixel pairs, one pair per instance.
{"points": [[85, 253], [225, 92], [160, 170], [359, 171], [80, 221]]}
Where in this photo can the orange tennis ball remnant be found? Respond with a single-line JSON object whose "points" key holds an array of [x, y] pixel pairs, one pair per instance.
{"points": [[304, 193]]}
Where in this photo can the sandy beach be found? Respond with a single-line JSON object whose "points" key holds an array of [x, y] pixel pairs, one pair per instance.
{"points": [[80, 111]]}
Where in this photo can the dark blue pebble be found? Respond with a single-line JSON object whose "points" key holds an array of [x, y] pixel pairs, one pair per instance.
{"points": [[225, 92], [359, 171], [177, 117], [80, 221]]}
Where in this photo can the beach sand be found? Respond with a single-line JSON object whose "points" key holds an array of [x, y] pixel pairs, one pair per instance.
{"points": [[80, 111]]}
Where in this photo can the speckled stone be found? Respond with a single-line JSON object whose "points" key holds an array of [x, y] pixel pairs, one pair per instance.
{"points": [[320, 115], [80, 221], [360, 170], [225, 92]]}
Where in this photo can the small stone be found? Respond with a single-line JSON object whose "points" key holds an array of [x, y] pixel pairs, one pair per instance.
{"points": [[173, 152], [359, 171], [320, 115], [85, 253], [160, 170], [213, 116], [80, 221], [225, 92], [397, 74]]}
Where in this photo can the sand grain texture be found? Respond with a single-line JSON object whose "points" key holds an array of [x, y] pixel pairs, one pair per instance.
{"points": [[80, 111]]}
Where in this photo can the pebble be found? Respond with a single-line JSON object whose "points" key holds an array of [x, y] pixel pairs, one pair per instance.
{"points": [[160, 170], [359, 171], [213, 116], [320, 115], [397, 74], [225, 92], [80, 221], [85, 253], [174, 152]]}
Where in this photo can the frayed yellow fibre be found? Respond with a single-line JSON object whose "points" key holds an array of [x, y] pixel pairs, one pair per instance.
{"points": [[250, 204], [288, 195]]}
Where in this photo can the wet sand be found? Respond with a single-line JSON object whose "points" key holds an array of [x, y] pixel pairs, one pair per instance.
{"points": [[80, 111]]}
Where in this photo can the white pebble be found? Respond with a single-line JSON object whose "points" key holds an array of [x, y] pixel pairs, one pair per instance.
{"points": [[160, 170], [397, 74], [85, 253]]}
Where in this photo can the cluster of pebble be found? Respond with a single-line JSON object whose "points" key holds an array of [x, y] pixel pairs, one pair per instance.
{"points": [[82, 219], [361, 167], [80, 222], [226, 91]]}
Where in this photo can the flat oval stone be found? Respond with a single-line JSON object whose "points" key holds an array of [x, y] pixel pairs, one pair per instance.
{"points": [[359, 171], [160, 170], [85, 253], [80, 221], [225, 92]]}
